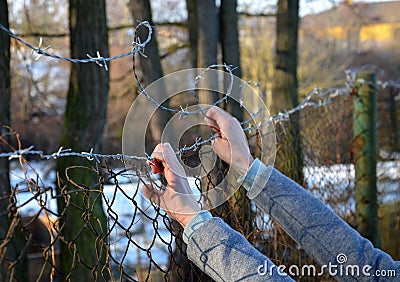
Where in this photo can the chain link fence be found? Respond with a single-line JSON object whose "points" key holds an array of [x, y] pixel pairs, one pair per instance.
{"points": [[141, 243]]}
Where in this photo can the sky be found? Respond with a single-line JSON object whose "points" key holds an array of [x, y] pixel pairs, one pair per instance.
{"points": [[306, 6], [177, 8], [316, 6]]}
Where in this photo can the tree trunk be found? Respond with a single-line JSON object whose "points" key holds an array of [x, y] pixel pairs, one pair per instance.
{"points": [[193, 23], [238, 205], [5, 96], [151, 68], [229, 39], [207, 33], [229, 35], [9, 218], [289, 157], [207, 42], [84, 225]]}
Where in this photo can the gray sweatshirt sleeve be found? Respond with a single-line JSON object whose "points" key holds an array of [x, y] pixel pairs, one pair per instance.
{"points": [[320, 232], [225, 255]]}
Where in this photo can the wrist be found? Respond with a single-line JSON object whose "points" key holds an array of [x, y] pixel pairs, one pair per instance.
{"points": [[187, 218], [244, 164]]}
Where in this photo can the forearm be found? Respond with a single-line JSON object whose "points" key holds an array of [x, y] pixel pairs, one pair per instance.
{"points": [[315, 227], [225, 255]]}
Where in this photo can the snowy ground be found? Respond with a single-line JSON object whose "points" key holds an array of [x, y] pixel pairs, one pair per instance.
{"points": [[337, 178]]}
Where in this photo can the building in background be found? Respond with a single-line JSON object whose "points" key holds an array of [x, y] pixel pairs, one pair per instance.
{"points": [[356, 26]]}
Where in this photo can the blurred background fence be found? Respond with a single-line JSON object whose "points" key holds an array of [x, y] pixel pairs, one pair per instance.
{"points": [[142, 243]]}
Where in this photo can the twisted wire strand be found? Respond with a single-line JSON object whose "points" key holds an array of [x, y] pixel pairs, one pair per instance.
{"points": [[100, 60], [321, 99]]}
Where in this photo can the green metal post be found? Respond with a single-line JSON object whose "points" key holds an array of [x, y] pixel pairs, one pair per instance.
{"points": [[365, 156]]}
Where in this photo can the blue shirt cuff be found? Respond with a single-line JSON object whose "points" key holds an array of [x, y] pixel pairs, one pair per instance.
{"points": [[255, 178], [195, 224], [247, 180]]}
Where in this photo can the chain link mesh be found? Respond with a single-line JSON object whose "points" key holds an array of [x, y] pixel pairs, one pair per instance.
{"points": [[141, 242]]}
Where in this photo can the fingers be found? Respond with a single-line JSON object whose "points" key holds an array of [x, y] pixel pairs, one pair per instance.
{"points": [[217, 119], [216, 130], [165, 161], [162, 155], [216, 116], [156, 165], [220, 120], [152, 194]]}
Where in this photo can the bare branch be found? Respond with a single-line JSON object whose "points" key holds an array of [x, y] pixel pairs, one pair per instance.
{"points": [[174, 48]]}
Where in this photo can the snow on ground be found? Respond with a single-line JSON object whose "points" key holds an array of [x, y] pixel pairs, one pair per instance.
{"points": [[339, 177]]}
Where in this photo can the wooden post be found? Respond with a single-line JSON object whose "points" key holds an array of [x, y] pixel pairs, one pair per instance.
{"points": [[13, 263], [365, 156]]}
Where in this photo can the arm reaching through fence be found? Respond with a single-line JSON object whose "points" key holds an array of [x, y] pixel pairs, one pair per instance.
{"points": [[177, 200], [320, 232], [225, 255]]}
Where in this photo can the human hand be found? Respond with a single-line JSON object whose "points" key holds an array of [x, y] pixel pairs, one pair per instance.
{"points": [[177, 199], [231, 143]]}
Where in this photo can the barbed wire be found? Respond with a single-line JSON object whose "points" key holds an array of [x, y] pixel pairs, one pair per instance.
{"points": [[138, 47], [183, 111], [324, 98], [321, 97], [316, 98]]}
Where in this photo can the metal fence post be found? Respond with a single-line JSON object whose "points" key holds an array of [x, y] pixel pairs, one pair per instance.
{"points": [[365, 156]]}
